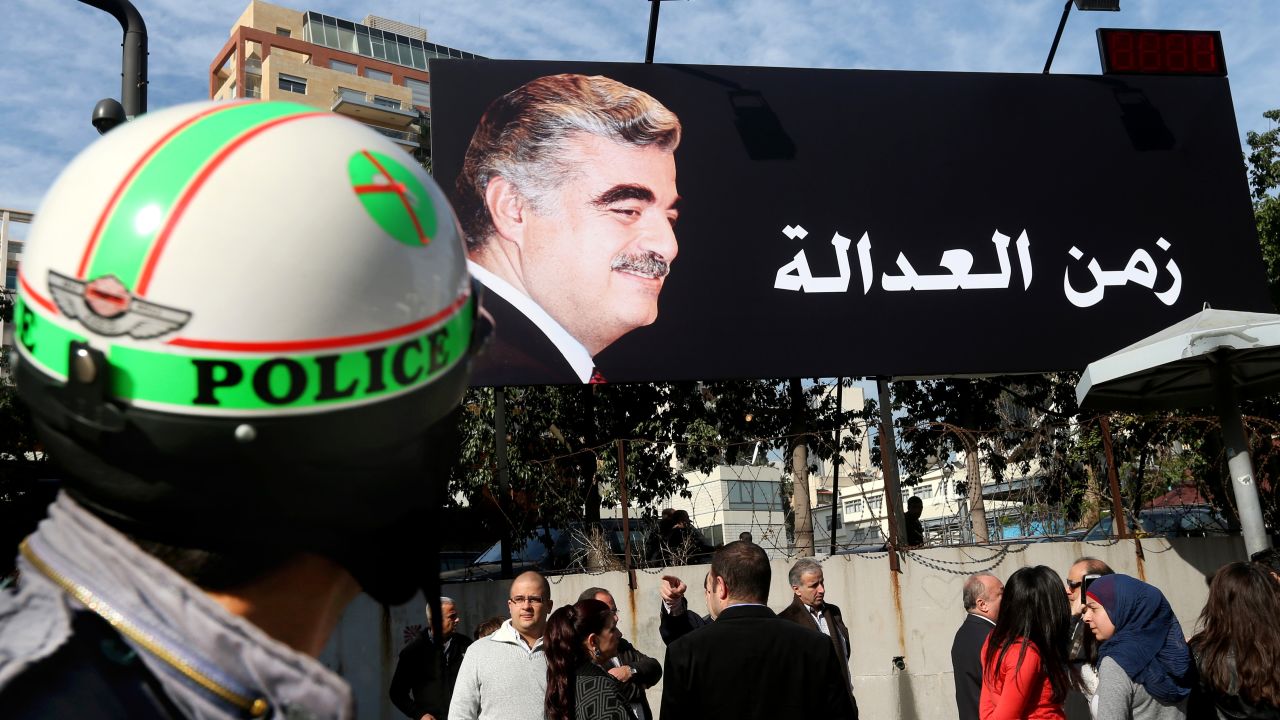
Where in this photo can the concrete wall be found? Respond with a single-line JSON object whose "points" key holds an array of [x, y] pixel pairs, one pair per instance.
{"points": [[912, 614]]}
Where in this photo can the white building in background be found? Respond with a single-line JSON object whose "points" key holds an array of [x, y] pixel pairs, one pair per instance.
{"points": [[732, 499], [862, 517], [13, 235]]}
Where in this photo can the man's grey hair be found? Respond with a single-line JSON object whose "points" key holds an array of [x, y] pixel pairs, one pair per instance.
{"points": [[803, 567], [975, 590], [521, 138], [591, 593], [443, 601]]}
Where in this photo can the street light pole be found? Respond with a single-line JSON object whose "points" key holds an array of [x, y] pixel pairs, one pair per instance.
{"points": [[133, 76]]}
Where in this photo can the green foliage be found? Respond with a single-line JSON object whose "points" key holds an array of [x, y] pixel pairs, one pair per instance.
{"points": [[562, 443], [1264, 179]]}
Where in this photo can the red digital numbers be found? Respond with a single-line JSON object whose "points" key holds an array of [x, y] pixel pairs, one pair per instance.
{"points": [[1161, 52]]}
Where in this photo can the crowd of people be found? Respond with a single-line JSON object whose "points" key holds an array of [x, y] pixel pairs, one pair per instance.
{"points": [[1111, 646], [1098, 644], [572, 662]]}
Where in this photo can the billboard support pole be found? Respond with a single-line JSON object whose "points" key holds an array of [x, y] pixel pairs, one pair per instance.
{"points": [[504, 484], [626, 516], [835, 465], [889, 469]]}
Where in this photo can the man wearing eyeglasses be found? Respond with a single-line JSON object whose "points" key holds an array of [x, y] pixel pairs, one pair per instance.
{"points": [[504, 675], [636, 671], [1075, 579]]}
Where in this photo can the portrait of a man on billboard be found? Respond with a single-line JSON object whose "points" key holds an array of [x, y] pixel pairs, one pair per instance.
{"points": [[567, 199]]}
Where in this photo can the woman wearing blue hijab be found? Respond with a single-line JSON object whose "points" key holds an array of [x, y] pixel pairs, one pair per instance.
{"points": [[1145, 670]]}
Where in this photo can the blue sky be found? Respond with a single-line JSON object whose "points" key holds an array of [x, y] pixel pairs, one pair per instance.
{"points": [[60, 57]]}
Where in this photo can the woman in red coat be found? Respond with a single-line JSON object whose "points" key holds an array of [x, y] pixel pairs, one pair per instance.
{"points": [[1024, 660]]}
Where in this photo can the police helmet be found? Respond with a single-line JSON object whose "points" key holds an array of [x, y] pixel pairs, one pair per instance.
{"points": [[244, 327]]}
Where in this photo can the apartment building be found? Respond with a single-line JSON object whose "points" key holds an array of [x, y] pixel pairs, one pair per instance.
{"points": [[375, 71], [13, 234]]}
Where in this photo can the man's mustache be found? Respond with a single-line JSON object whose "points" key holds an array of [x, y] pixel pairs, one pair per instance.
{"points": [[647, 263]]}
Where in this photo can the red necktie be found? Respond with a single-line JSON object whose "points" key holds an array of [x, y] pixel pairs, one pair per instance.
{"points": [[597, 377]]}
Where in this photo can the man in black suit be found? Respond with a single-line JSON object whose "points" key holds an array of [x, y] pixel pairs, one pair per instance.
{"points": [[419, 688], [750, 663], [982, 593], [810, 609], [675, 619], [567, 199]]}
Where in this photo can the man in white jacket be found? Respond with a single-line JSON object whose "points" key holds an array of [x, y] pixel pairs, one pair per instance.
{"points": [[504, 676]]}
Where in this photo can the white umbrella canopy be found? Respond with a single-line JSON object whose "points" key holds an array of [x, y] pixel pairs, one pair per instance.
{"points": [[1212, 358], [1175, 367]]}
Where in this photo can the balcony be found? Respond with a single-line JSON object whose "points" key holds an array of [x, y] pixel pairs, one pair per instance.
{"points": [[373, 108], [407, 139]]}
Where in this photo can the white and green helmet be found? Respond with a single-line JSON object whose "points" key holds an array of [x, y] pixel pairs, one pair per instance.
{"points": [[244, 284]]}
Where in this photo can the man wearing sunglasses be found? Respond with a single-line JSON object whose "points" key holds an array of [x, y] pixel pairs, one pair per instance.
{"points": [[504, 675]]}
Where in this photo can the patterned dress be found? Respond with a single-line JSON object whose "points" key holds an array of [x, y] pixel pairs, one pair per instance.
{"points": [[598, 696]]}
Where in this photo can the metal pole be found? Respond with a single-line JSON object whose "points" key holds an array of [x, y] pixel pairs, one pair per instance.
{"points": [[133, 63], [889, 468], [1118, 519], [835, 466], [504, 484], [626, 518], [653, 30], [1053, 50], [1239, 463]]}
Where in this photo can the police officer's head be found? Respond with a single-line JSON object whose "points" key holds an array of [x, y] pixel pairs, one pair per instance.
{"points": [[242, 329]]}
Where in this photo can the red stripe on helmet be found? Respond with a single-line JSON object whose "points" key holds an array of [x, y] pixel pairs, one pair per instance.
{"points": [[325, 343], [400, 193], [188, 194], [30, 292], [128, 178]]}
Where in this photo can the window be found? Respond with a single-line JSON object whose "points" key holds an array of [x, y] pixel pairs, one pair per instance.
{"points": [[421, 92], [11, 278], [875, 503], [386, 102], [291, 83], [284, 32], [340, 66], [853, 507], [352, 95], [751, 495], [377, 75]]}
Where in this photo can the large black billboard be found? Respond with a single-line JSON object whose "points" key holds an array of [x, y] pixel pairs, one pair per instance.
{"points": [[839, 222]]}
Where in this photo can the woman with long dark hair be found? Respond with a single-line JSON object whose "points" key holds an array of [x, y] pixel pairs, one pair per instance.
{"points": [[580, 638], [1145, 670], [1024, 660], [1238, 646]]}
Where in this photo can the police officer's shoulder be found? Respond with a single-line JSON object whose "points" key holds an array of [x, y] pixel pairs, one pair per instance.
{"points": [[95, 674]]}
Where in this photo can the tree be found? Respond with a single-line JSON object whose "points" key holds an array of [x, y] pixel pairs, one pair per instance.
{"points": [[1023, 420], [562, 443], [1264, 179]]}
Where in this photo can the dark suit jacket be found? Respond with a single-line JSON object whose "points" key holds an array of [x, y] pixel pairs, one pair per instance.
{"points": [[415, 689], [966, 661], [750, 663], [518, 353], [673, 627], [797, 613], [648, 673]]}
